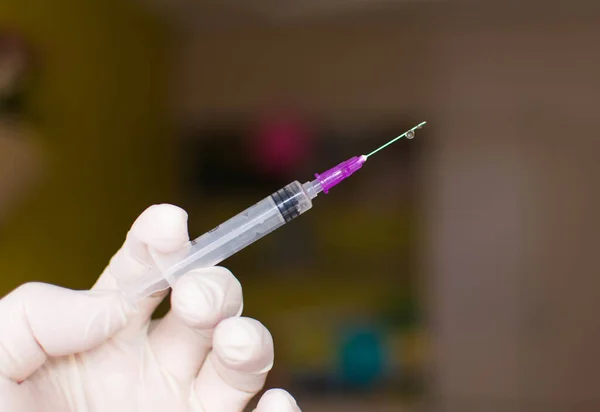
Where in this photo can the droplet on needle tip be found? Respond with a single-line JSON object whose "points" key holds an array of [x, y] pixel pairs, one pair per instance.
{"points": [[409, 134]]}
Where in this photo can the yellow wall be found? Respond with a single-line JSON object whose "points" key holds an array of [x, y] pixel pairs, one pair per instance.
{"points": [[99, 102]]}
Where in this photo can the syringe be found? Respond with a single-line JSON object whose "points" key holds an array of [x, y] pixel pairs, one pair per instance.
{"points": [[247, 227]]}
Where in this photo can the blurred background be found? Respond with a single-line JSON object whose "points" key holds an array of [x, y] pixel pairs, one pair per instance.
{"points": [[456, 272]]}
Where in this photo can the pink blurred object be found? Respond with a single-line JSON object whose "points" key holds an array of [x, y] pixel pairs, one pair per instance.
{"points": [[283, 142]]}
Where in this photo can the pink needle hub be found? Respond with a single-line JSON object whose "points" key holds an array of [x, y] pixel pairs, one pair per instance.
{"points": [[337, 174]]}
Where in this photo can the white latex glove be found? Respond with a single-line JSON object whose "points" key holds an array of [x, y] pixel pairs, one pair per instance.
{"points": [[91, 351]]}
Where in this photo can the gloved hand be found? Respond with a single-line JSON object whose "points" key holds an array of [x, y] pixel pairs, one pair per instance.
{"points": [[92, 351]]}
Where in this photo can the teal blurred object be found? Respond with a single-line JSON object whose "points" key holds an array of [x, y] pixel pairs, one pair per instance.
{"points": [[363, 356]]}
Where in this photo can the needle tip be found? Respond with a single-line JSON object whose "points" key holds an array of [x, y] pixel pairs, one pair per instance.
{"points": [[408, 134]]}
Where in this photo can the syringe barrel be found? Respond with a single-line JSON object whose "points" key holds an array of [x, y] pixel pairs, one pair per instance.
{"points": [[226, 239]]}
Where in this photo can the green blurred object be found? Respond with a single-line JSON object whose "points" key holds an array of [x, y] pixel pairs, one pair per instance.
{"points": [[402, 313]]}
